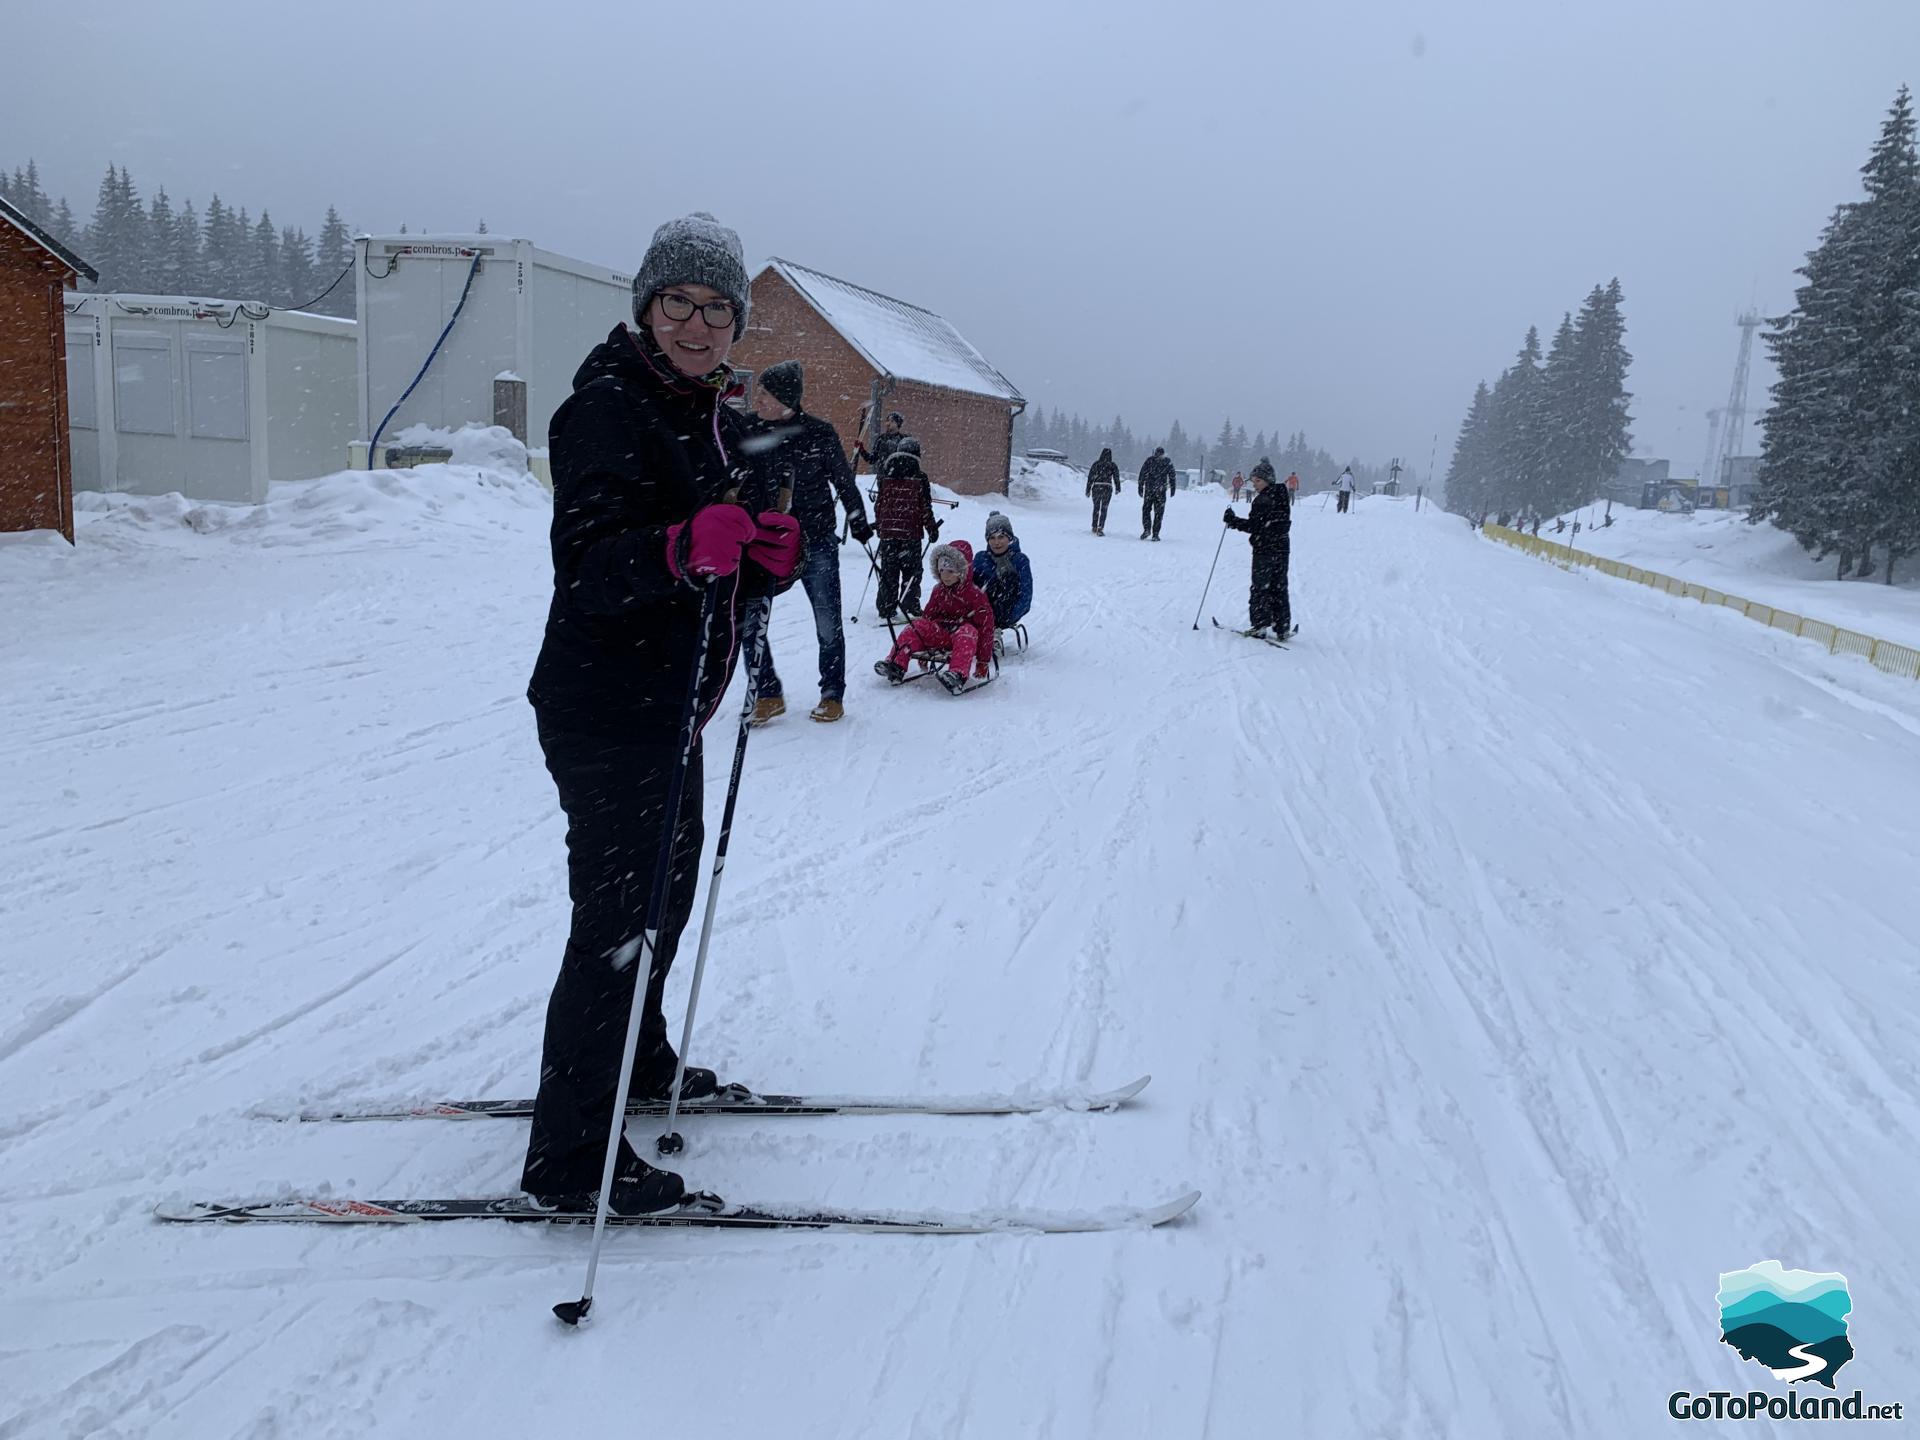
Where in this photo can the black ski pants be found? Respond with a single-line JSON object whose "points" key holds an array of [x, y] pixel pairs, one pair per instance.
{"points": [[1153, 509], [1341, 506], [899, 577], [1102, 497], [614, 793], [1267, 602]]}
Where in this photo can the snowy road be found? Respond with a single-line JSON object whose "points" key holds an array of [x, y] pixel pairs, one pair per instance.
{"points": [[1513, 955]]}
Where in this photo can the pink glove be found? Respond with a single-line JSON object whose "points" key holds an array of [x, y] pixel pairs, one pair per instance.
{"points": [[775, 546], [709, 544]]}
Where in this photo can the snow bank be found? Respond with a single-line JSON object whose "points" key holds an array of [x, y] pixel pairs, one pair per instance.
{"points": [[487, 447], [1718, 548]]}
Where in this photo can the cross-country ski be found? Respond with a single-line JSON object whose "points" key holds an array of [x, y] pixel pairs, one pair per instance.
{"points": [[517, 915]]}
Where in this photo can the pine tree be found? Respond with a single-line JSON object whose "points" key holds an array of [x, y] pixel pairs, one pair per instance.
{"points": [[1890, 398], [1516, 430], [296, 267], [104, 231], [333, 253], [183, 252], [1468, 484], [65, 230], [223, 258], [161, 267], [263, 255]]}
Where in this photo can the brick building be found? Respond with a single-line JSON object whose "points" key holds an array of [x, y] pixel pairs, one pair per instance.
{"points": [[863, 348], [36, 464]]}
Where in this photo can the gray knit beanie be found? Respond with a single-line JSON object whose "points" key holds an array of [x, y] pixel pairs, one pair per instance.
{"points": [[998, 524], [696, 249], [785, 382]]}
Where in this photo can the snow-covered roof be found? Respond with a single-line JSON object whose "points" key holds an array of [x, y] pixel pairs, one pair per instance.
{"points": [[19, 220], [896, 338]]}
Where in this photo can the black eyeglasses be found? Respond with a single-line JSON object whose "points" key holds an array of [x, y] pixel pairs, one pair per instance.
{"points": [[719, 314]]}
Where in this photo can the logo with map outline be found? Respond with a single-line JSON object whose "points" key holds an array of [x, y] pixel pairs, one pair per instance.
{"points": [[1794, 1322]]}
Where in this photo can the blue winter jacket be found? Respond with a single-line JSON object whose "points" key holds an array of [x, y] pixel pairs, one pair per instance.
{"points": [[1012, 596]]}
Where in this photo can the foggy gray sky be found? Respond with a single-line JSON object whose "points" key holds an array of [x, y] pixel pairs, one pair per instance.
{"points": [[1334, 217]]}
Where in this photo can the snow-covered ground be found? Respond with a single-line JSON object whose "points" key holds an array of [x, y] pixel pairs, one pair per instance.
{"points": [[1718, 548], [1514, 955]]}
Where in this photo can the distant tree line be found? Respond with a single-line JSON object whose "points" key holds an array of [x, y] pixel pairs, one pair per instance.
{"points": [[159, 249], [1549, 433], [1230, 449], [1840, 464]]}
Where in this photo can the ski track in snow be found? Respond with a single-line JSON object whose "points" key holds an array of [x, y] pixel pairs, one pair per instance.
{"points": [[1513, 954]]}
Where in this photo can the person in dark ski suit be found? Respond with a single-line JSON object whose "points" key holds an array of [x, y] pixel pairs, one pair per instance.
{"points": [[892, 439], [1155, 484], [1103, 478], [902, 514], [1268, 525], [807, 461], [654, 501], [1003, 572]]}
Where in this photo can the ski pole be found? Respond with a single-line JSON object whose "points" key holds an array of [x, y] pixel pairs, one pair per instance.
{"points": [[1210, 569], [640, 954], [670, 1142], [873, 569]]}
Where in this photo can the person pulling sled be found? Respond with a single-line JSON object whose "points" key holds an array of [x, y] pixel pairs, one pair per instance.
{"points": [[903, 512], [956, 624]]}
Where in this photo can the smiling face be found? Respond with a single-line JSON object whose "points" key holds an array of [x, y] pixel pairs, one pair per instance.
{"points": [[999, 542], [692, 345], [949, 570], [768, 408]]}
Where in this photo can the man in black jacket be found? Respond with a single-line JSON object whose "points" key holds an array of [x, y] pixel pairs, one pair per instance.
{"points": [[1155, 484], [890, 441], [807, 460], [1268, 525]]}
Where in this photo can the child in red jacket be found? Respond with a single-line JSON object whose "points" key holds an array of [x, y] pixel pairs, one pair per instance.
{"points": [[957, 617]]}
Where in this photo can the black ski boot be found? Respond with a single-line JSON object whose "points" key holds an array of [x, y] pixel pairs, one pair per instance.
{"points": [[953, 680], [893, 674], [638, 1189]]}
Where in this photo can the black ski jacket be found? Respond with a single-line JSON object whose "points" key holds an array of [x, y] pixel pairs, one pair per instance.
{"points": [[638, 447], [1269, 521], [1103, 473], [807, 458], [1156, 475]]}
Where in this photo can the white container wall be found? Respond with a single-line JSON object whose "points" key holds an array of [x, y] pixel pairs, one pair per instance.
{"points": [[210, 398], [528, 312]]}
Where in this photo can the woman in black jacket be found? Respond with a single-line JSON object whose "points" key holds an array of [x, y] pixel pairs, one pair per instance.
{"points": [[1268, 525], [654, 501]]}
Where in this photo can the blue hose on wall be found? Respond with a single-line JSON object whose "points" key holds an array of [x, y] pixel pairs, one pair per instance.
{"points": [[373, 445]]}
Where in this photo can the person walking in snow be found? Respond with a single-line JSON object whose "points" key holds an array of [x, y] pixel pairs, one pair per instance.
{"points": [[808, 463], [892, 440], [1103, 478], [1002, 571], [654, 501], [902, 513], [1268, 525], [1345, 486], [1155, 485], [958, 619], [1239, 484], [1293, 487]]}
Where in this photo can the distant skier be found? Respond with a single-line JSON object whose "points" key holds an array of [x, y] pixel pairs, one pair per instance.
{"points": [[1293, 486], [808, 462], [1103, 478], [653, 503], [1239, 484], [903, 512], [1155, 484], [958, 619], [892, 440], [1268, 525], [1345, 486], [1003, 572]]}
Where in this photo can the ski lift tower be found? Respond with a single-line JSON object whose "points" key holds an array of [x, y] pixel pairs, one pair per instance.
{"points": [[1733, 432]]}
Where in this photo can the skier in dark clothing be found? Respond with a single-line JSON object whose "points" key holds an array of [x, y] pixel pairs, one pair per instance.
{"points": [[654, 500], [807, 461], [902, 514], [1103, 478], [1268, 524], [891, 441], [1155, 484]]}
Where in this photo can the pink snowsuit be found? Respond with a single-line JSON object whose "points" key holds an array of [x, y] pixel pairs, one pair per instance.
{"points": [[957, 617]]}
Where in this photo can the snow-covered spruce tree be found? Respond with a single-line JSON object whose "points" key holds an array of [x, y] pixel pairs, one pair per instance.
{"points": [[1601, 424], [1515, 432], [1468, 487], [1890, 368], [1562, 422]]}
